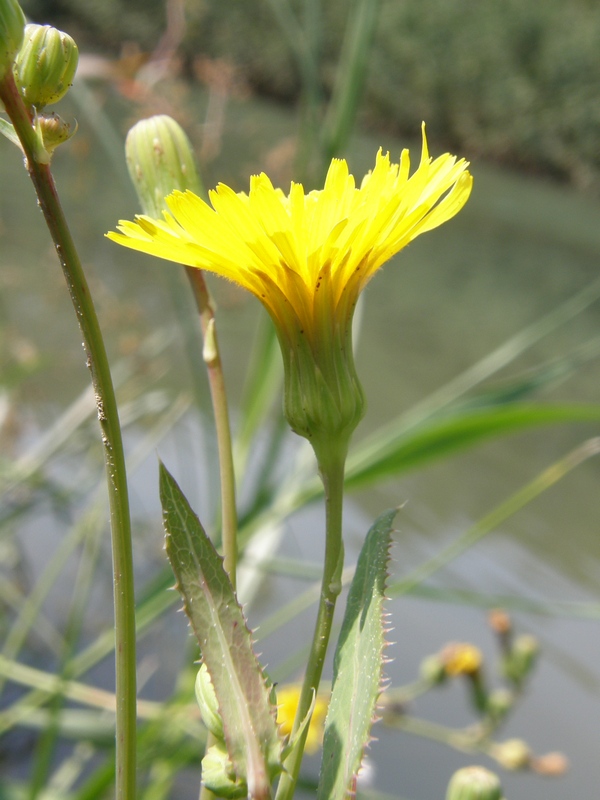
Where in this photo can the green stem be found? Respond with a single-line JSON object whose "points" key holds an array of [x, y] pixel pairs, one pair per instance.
{"points": [[221, 411], [218, 395], [125, 660], [332, 473]]}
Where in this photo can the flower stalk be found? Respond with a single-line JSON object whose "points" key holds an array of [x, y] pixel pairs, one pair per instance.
{"points": [[160, 159], [332, 474], [218, 393], [97, 361]]}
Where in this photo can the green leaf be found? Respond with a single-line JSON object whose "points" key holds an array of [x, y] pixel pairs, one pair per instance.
{"points": [[249, 725], [6, 129], [357, 666], [395, 448]]}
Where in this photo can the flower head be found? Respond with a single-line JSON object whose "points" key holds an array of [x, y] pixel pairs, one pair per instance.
{"points": [[462, 659], [288, 697], [307, 257]]}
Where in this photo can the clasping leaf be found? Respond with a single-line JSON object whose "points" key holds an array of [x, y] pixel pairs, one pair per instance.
{"points": [[249, 717]]}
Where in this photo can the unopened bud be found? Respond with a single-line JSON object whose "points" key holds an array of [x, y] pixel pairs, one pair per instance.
{"points": [[12, 25], [512, 754], [218, 774], [499, 621], [522, 658], [474, 783], [46, 65], [54, 130], [433, 670], [499, 703], [160, 159], [207, 701], [551, 764]]}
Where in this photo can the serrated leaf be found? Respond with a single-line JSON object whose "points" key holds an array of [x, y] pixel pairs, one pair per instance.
{"points": [[249, 724], [357, 667]]}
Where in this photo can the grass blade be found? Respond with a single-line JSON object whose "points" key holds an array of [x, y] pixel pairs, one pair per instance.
{"points": [[395, 450]]}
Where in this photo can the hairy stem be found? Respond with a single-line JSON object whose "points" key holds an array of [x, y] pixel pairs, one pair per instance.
{"points": [[97, 361]]}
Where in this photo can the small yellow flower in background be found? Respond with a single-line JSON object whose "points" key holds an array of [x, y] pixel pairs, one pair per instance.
{"points": [[287, 703], [462, 659], [307, 257]]}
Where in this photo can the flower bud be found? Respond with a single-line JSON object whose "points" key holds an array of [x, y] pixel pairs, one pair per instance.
{"points": [[12, 25], [474, 783], [551, 764], [433, 670], [207, 701], [521, 658], [512, 754], [499, 703], [46, 65], [218, 774], [160, 159], [54, 130]]}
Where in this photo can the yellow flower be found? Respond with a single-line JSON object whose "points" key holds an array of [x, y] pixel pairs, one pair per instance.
{"points": [[307, 257], [462, 659], [287, 703]]}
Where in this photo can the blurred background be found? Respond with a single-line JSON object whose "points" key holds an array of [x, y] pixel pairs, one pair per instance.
{"points": [[515, 81], [509, 288]]}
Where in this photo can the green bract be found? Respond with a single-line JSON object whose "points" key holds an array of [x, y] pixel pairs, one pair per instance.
{"points": [[45, 65], [208, 703], [12, 24]]}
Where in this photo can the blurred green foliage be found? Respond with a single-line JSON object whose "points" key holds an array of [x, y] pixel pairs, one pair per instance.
{"points": [[513, 80]]}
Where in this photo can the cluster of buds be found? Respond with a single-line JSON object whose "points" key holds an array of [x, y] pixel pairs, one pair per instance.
{"points": [[519, 656], [42, 61]]}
